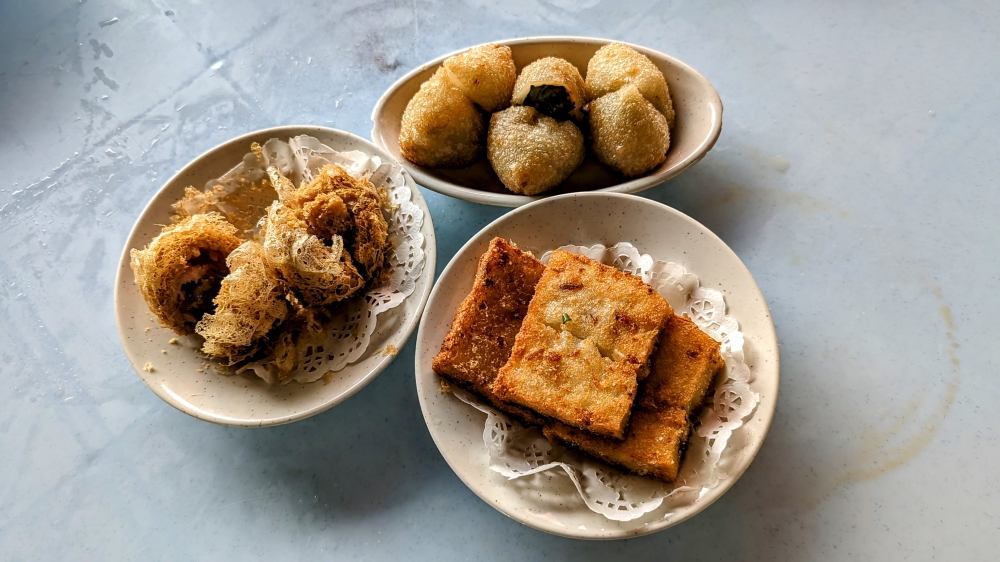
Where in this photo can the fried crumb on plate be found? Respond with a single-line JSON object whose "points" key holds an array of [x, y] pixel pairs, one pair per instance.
{"points": [[445, 387], [148, 367], [390, 350]]}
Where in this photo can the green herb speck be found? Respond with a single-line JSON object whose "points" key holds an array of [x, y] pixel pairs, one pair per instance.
{"points": [[566, 318]]}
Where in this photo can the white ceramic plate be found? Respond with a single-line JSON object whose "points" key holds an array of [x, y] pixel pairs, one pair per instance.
{"points": [[587, 219], [697, 105], [245, 400]]}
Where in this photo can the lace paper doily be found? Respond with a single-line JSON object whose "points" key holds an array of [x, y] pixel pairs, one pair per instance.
{"points": [[350, 330], [516, 451]]}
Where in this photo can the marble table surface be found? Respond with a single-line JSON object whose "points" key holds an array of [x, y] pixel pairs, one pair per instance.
{"points": [[856, 176]]}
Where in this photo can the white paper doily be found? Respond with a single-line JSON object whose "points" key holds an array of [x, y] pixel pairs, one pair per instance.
{"points": [[349, 331], [516, 451]]}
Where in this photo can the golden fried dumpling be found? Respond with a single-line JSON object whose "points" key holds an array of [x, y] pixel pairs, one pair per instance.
{"points": [[553, 86], [628, 133], [531, 152], [441, 127], [319, 271], [616, 64], [486, 74], [250, 303], [369, 241], [181, 270]]}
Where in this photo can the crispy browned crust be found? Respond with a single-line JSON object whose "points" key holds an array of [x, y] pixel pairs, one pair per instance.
{"points": [[627, 132], [336, 203], [684, 366], [250, 304], [616, 64], [651, 448], [584, 345], [172, 259], [440, 126], [483, 332], [486, 75], [531, 152]]}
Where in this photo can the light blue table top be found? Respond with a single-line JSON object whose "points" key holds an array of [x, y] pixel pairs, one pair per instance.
{"points": [[876, 249]]}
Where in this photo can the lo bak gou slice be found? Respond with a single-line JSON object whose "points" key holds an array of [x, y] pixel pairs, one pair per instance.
{"points": [[483, 331], [584, 345], [685, 363]]}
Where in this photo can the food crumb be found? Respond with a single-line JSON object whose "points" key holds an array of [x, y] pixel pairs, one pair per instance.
{"points": [[390, 350], [445, 387], [148, 367], [328, 377], [147, 328], [200, 370], [173, 341], [163, 351], [198, 394]]}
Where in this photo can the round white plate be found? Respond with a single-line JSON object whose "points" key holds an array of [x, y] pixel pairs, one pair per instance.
{"points": [[245, 400], [587, 219], [696, 103]]}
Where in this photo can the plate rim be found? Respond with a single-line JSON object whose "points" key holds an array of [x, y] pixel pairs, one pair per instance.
{"points": [[513, 200], [430, 263], [766, 408]]}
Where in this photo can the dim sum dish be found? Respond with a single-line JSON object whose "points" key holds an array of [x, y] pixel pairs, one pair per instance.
{"points": [[234, 311], [535, 351], [428, 119]]}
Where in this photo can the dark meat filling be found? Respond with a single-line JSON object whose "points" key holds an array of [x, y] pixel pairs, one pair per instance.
{"points": [[201, 286], [553, 101]]}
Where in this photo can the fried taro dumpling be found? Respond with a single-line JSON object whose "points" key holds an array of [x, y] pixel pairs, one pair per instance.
{"points": [[628, 133], [616, 64], [181, 271], [441, 127], [250, 304], [486, 75], [317, 204], [319, 271], [553, 86], [531, 152]]}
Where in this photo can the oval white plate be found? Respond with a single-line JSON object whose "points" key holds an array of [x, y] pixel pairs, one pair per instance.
{"points": [[245, 400], [697, 105], [587, 219]]}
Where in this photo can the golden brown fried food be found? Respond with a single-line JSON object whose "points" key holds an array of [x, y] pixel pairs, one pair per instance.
{"points": [[319, 273], [486, 75], [584, 345], [616, 64], [441, 127], [628, 133], [684, 365], [303, 328], [531, 152], [482, 334], [181, 270], [336, 203], [250, 304], [553, 86], [652, 445]]}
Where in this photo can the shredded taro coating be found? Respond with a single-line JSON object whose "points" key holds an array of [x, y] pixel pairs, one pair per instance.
{"points": [[180, 272], [320, 274], [249, 305], [336, 204]]}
